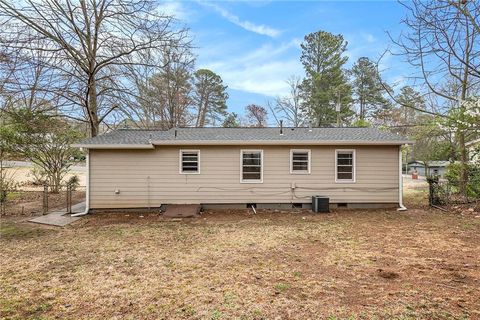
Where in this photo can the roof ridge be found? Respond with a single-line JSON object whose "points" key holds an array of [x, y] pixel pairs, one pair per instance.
{"points": [[287, 127], [138, 129]]}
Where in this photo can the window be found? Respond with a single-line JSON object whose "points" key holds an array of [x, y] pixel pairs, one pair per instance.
{"points": [[189, 161], [251, 166], [299, 161], [345, 166]]}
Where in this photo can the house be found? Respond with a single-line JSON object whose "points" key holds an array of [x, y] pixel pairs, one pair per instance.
{"points": [[437, 168], [236, 167], [474, 150]]}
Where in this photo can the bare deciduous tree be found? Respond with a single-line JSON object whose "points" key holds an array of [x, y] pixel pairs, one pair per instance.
{"points": [[442, 42], [91, 45], [289, 106], [164, 99], [256, 115], [28, 81]]}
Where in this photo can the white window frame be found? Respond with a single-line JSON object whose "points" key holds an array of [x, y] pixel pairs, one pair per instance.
{"points": [[241, 166], [354, 166], [180, 158], [309, 161]]}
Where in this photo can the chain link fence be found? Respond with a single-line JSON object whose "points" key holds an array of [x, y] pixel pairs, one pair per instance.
{"points": [[447, 193], [40, 200]]}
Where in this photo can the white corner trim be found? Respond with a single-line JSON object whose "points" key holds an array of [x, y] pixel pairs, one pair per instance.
{"points": [[87, 187], [180, 153], [354, 168], [309, 170], [241, 166], [401, 207]]}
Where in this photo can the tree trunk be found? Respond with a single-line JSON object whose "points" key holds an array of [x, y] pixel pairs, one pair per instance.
{"points": [[204, 113], [199, 114], [461, 137], [56, 181], [464, 160], [362, 109], [92, 107]]}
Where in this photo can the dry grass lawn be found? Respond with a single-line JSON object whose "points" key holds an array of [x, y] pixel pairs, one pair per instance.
{"points": [[232, 265]]}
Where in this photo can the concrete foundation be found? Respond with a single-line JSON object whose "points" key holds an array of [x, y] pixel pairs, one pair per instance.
{"points": [[279, 206], [363, 205]]}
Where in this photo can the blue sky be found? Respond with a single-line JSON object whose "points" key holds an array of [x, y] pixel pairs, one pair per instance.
{"points": [[255, 45]]}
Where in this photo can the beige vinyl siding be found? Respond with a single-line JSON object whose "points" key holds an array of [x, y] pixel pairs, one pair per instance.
{"points": [[149, 178]]}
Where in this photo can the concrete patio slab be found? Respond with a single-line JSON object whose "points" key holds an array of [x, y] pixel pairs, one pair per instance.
{"points": [[60, 218]]}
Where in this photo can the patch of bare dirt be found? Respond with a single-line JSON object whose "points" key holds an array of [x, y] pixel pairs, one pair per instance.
{"points": [[387, 274]]}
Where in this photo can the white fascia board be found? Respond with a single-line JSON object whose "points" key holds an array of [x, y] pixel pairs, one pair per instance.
{"points": [[114, 146]]}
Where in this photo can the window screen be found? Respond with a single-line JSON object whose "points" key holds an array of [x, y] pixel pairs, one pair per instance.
{"points": [[190, 161], [300, 161], [252, 166], [345, 165]]}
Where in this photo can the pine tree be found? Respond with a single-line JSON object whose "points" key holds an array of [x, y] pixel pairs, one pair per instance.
{"points": [[231, 121], [367, 89], [409, 100], [210, 97], [326, 82]]}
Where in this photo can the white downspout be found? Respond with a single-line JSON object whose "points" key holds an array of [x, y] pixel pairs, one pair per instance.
{"points": [[87, 186], [401, 207]]}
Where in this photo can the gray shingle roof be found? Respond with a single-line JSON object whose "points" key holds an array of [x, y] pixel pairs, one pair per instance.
{"points": [[127, 137], [439, 163]]}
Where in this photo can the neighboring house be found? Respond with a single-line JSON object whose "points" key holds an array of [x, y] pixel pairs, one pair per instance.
{"points": [[236, 167], [434, 168], [474, 150]]}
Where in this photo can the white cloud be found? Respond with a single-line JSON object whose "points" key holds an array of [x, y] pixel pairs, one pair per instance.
{"points": [[369, 38], [247, 25], [263, 70], [268, 51], [268, 78], [173, 8]]}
